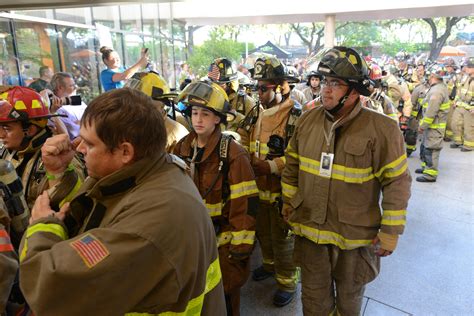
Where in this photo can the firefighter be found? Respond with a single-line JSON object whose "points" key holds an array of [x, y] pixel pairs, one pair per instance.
{"points": [[433, 124], [451, 80], [463, 117], [154, 86], [222, 172], [340, 159], [268, 139], [223, 73], [313, 83], [23, 134], [417, 97], [137, 233], [378, 100]]}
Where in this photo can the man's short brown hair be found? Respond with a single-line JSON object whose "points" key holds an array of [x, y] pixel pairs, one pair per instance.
{"points": [[127, 115]]}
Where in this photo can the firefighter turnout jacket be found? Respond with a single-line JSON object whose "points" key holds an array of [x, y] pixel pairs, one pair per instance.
{"points": [[343, 209]]}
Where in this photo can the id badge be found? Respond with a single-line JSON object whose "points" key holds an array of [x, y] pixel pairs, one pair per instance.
{"points": [[257, 148], [325, 167]]}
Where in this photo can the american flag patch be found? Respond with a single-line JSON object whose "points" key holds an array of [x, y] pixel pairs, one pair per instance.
{"points": [[214, 73], [5, 243], [91, 250]]}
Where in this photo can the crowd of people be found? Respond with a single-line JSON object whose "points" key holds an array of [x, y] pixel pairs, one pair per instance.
{"points": [[153, 199]]}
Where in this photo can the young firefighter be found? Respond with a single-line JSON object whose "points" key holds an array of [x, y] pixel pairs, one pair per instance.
{"points": [[223, 174]]}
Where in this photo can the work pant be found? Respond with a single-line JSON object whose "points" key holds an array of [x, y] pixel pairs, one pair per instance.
{"points": [[463, 127], [449, 122], [277, 246], [430, 150], [333, 279], [234, 275]]}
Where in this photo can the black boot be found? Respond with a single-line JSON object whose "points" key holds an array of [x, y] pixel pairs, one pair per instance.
{"points": [[419, 170], [463, 149], [424, 179], [261, 274], [282, 298], [454, 145]]}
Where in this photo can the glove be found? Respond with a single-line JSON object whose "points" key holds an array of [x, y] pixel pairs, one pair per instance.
{"points": [[385, 244], [261, 167], [286, 211]]}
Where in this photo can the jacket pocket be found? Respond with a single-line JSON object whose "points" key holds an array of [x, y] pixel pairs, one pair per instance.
{"points": [[358, 152], [360, 216]]}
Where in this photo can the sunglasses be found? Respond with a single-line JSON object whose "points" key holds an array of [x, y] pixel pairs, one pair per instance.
{"points": [[265, 88]]}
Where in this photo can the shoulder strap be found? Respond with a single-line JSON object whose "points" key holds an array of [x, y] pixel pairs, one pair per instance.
{"points": [[291, 123], [223, 151]]}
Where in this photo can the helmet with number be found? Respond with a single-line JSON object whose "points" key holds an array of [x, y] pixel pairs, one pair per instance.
{"points": [[23, 105], [222, 71], [450, 62], [437, 70], [375, 72], [346, 64], [208, 95], [268, 67], [152, 84]]}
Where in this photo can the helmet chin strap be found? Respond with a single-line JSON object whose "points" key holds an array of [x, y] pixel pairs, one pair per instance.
{"points": [[339, 106]]}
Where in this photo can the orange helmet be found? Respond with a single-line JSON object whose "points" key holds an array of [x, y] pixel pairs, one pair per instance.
{"points": [[375, 72], [23, 105]]}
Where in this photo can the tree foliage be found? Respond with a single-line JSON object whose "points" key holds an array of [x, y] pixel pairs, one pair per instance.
{"points": [[440, 31]]}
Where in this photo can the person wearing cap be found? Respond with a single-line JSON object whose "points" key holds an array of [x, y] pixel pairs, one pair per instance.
{"points": [[267, 142], [154, 86], [222, 72], [339, 161], [222, 172], [23, 135], [463, 116], [436, 106]]}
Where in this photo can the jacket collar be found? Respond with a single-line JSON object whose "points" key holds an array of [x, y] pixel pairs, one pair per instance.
{"points": [[123, 179], [189, 142]]}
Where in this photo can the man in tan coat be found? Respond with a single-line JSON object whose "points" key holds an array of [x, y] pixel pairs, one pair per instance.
{"points": [[136, 239], [340, 159]]}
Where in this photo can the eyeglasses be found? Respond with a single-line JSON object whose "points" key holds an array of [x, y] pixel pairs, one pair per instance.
{"points": [[332, 84], [264, 88]]}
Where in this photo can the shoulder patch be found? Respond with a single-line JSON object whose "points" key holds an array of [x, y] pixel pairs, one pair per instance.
{"points": [[178, 162], [90, 249]]}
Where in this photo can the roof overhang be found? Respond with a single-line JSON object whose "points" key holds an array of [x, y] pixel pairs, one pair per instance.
{"points": [[10, 5]]}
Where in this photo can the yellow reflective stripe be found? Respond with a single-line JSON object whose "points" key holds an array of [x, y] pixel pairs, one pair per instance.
{"points": [[468, 143], [214, 209], [71, 194], [286, 280], [412, 147], [283, 159], [414, 113], [55, 229], [268, 196], [268, 261], [346, 174], [288, 190], [445, 106], [243, 237], [428, 120], [194, 307], [292, 154], [263, 148], [224, 238], [393, 169], [327, 237], [242, 189], [449, 133], [438, 125], [430, 172], [394, 217], [393, 116]]}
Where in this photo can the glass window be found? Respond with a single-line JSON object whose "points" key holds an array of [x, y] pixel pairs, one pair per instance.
{"points": [[154, 50], [131, 18], [150, 18], [75, 15], [46, 14], [37, 47], [108, 16], [80, 58], [133, 47], [8, 62]]}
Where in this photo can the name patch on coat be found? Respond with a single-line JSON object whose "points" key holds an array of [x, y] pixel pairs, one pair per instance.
{"points": [[90, 249]]}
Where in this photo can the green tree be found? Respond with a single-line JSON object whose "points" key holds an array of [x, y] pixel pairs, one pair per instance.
{"points": [[213, 48], [441, 29], [361, 35]]}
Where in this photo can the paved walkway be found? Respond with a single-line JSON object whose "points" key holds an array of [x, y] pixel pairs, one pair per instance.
{"points": [[432, 270]]}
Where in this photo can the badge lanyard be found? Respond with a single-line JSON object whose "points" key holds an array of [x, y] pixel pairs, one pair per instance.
{"points": [[327, 159]]}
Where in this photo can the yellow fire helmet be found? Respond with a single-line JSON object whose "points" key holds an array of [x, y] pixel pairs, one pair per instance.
{"points": [[208, 95], [152, 84]]}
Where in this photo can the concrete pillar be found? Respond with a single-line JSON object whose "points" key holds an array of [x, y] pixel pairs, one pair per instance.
{"points": [[329, 30]]}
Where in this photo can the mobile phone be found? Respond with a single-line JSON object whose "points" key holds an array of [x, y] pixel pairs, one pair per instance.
{"points": [[146, 50]]}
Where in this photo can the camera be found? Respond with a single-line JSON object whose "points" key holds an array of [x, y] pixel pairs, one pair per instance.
{"points": [[72, 100]]}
